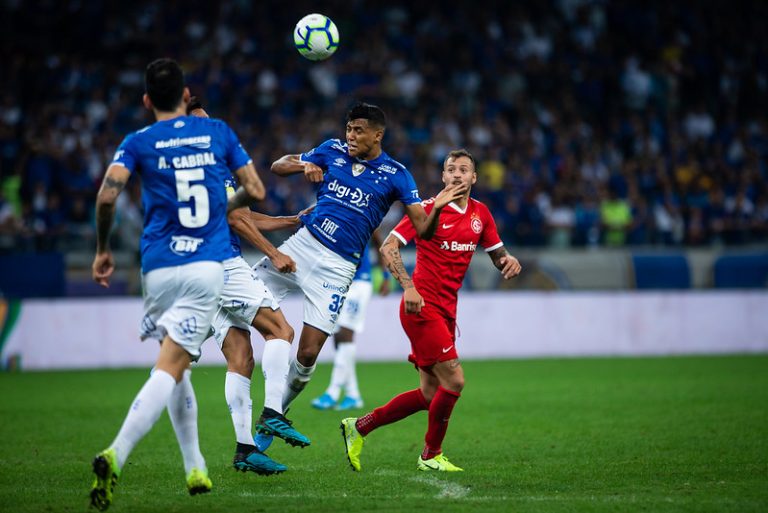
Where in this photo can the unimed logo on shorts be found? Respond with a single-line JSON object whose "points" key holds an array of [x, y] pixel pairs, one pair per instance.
{"points": [[184, 245]]}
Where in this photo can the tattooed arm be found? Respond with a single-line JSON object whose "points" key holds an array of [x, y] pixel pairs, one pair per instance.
{"points": [[390, 254], [114, 181], [504, 262]]}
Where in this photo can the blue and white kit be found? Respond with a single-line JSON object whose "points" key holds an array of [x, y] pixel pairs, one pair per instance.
{"points": [[352, 200], [183, 163]]}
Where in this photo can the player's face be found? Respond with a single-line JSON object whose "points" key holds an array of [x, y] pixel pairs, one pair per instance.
{"points": [[363, 140], [459, 171]]}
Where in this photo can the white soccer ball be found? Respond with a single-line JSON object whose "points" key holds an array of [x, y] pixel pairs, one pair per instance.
{"points": [[316, 37]]}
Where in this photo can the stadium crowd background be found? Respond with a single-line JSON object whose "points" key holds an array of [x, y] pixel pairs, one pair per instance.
{"points": [[594, 122]]}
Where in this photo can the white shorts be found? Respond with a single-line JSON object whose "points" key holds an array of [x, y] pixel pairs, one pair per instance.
{"points": [[180, 302], [322, 275], [242, 296], [353, 314]]}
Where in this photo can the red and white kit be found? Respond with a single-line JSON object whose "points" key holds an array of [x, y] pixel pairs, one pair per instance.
{"points": [[441, 264]]}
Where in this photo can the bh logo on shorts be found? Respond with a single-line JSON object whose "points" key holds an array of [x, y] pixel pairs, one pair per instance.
{"points": [[184, 245], [188, 326]]}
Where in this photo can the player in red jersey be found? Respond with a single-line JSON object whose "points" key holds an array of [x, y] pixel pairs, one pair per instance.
{"points": [[428, 313]]}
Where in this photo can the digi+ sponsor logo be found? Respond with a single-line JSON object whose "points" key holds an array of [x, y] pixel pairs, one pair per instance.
{"points": [[355, 195]]}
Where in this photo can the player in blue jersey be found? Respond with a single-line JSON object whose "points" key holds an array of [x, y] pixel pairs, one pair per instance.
{"points": [[351, 322], [183, 162], [356, 182], [245, 301]]}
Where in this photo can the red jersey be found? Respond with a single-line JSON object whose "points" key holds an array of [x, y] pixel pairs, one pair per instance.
{"points": [[442, 262]]}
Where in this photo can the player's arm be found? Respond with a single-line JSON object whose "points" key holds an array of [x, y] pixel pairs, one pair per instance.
{"points": [[390, 253], [292, 164], [114, 182], [377, 242], [504, 262], [426, 224], [251, 187], [249, 226]]}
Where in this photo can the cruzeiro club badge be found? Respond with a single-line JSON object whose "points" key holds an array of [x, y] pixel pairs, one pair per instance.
{"points": [[357, 169]]}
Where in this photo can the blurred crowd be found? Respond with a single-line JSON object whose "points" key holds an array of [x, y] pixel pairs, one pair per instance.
{"points": [[593, 122]]}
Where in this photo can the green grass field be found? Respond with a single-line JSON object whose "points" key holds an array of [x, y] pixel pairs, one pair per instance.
{"points": [[650, 434]]}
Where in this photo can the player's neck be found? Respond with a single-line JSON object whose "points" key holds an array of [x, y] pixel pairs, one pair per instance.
{"points": [[373, 155], [165, 116], [462, 202]]}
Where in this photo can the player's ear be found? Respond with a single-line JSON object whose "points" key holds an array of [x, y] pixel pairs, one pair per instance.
{"points": [[379, 135], [147, 102], [474, 177]]}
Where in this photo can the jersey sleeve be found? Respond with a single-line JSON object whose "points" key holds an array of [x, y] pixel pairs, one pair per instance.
{"points": [[489, 238], [321, 154], [126, 154], [237, 157], [407, 191], [405, 231]]}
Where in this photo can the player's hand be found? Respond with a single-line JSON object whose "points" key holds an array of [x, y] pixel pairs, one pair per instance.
{"points": [[413, 301], [102, 268], [195, 108], [283, 263], [313, 172], [451, 193], [384, 288], [305, 211], [510, 267]]}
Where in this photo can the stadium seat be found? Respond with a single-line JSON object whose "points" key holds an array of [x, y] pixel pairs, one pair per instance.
{"points": [[741, 271], [661, 271]]}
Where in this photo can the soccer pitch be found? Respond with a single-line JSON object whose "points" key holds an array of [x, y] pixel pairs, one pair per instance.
{"points": [[600, 434]]}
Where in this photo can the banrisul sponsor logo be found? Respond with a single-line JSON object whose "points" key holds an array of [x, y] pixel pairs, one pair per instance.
{"points": [[184, 245], [458, 246]]}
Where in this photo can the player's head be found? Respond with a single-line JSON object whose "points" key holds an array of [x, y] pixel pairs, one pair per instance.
{"points": [[164, 83], [365, 130], [459, 168]]}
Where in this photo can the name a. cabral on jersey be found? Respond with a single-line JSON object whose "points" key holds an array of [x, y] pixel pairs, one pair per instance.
{"points": [[458, 246]]}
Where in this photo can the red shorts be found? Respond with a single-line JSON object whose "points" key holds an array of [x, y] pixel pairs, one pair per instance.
{"points": [[432, 336]]}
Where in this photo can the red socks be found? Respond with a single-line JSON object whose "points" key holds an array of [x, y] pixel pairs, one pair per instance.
{"points": [[439, 414], [397, 408]]}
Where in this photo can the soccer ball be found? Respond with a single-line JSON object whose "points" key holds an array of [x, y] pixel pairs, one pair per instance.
{"points": [[316, 37]]}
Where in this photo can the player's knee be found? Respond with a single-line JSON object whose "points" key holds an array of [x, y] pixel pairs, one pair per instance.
{"points": [[285, 332], [241, 361], [306, 356], [456, 384]]}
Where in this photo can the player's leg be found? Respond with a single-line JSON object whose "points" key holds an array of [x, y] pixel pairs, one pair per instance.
{"points": [[450, 377], [178, 310], [352, 322], [278, 335], [339, 372], [145, 409], [303, 366]]}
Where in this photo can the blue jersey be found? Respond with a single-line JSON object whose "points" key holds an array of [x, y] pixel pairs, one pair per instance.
{"points": [[364, 267], [354, 196], [230, 185], [183, 163]]}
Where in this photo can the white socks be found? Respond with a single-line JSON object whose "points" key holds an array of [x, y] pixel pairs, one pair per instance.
{"points": [[144, 412], [182, 409], [343, 374], [274, 366], [237, 391], [298, 377]]}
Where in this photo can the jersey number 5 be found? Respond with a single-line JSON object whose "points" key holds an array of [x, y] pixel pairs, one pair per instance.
{"points": [[198, 216]]}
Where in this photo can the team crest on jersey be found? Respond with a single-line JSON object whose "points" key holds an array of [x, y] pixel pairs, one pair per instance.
{"points": [[476, 224], [357, 169]]}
